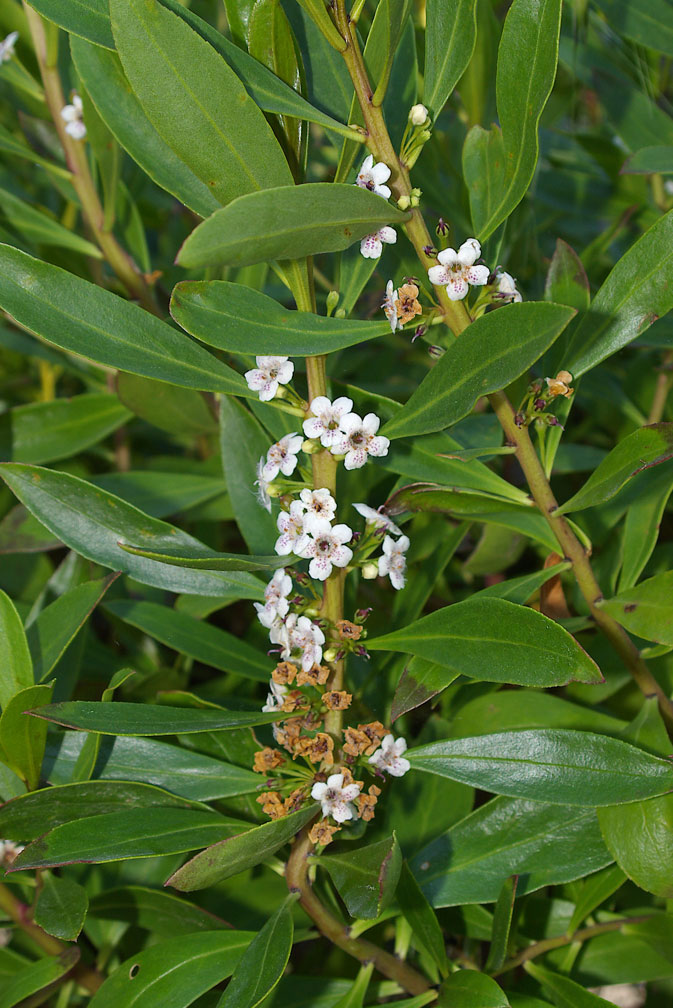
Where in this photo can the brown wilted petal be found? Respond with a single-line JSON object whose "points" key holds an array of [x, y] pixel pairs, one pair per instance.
{"points": [[284, 673], [337, 699], [322, 832], [267, 759]]}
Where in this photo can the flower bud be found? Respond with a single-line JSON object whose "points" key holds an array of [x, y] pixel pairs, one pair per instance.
{"points": [[311, 446], [332, 301], [404, 202], [340, 313], [370, 571], [311, 611], [436, 352], [330, 654], [418, 115], [274, 490]]}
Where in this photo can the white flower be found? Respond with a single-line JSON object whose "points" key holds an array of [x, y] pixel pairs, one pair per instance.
{"points": [[274, 699], [318, 502], [371, 245], [282, 456], [268, 375], [305, 637], [359, 440], [335, 798], [390, 308], [6, 53], [418, 115], [377, 518], [262, 485], [275, 596], [72, 116], [507, 287], [372, 176], [393, 561], [457, 269], [291, 524], [389, 757], [324, 424], [326, 546]]}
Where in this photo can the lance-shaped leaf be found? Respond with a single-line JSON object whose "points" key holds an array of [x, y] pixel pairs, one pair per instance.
{"points": [[649, 160], [196, 102], [488, 355], [566, 281], [262, 964], [550, 765], [420, 681], [467, 988], [146, 719], [93, 522], [153, 910], [233, 317], [61, 907], [211, 561], [499, 164], [421, 918], [288, 222], [37, 976], [647, 447], [15, 660], [564, 992], [648, 22], [84, 319], [450, 34], [41, 229], [496, 641], [502, 923], [366, 879], [230, 857], [646, 609], [88, 18], [22, 738]]}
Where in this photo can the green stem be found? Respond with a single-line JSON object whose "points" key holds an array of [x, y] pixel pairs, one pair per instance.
{"points": [[662, 388]]}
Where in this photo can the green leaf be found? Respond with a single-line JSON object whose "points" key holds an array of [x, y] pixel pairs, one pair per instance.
{"points": [[233, 317], [549, 765], [21, 533], [419, 682], [638, 291], [513, 709], [355, 998], [40, 228], [645, 448], [22, 738], [647, 609], [243, 441], [196, 102], [647, 22], [88, 18], [502, 922], [599, 887], [532, 650], [450, 34], [48, 431], [55, 627], [470, 989], [567, 282], [161, 493], [12, 145], [15, 660], [272, 42], [520, 589], [640, 838], [289, 222], [92, 522], [132, 833], [161, 912], [421, 918], [61, 907], [262, 964], [564, 992], [544, 844], [649, 160], [367, 878], [84, 319], [230, 857], [499, 164], [146, 719], [171, 408], [488, 355], [36, 977], [27, 817], [173, 973], [641, 527], [212, 561], [194, 638]]}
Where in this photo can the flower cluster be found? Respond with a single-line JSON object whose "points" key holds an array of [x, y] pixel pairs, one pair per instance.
{"points": [[72, 116], [373, 177]]}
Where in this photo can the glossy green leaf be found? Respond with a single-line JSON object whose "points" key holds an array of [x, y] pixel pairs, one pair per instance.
{"points": [[366, 879], [15, 660], [173, 973], [544, 844], [419, 682], [564, 992], [421, 918], [640, 838], [645, 448], [27, 817], [212, 561], [450, 34], [287, 223], [146, 719], [262, 964], [502, 923], [21, 533], [195, 638], [499, 164], [520, 589], [196, 102], [161, 493], [567, 282], [514, 709], [36, 977], [13, 145], [22, 738], [243, 442], [470, 989], [87, 320], [599, 887], [488, 355], [92, 522], [230, 857], [171, 408], [355, 998], [133, 833], [88, 18], [233, 317], [42, 229], [160, 912], [61, 907], [549, 765], [531, 649], [647, 22], [646, 609], [641, 527], [649, 160]]}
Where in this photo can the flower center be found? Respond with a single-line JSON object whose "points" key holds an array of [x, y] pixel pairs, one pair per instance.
{"points": [[357, 438], [324, 545]]}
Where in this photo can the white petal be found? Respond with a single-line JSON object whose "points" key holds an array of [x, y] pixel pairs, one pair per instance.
{"points": [[469, 252], [447, 257], [341, 556], [380, 173], [388, 235], [378, 446], [320, 568], [318, 790], [439, 275], [371, 247], [355, 459], [350, 422], [457, 289], [478, 275]]}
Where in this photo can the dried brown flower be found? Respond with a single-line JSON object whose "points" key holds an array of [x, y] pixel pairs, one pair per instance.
{"points": [[267, 759], [337, 699], [316, 676], [366, 803], [294, 701], [365, 739], [560, 386], [322, 832], [348, 630], [272, 804], [407, 303], [284, 673], [319, 749]]}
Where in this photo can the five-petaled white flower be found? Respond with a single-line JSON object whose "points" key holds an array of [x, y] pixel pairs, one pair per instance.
{"points": [[268, 375], [377, 518], [319, 503], [457, 269], [359, 439], [507, 287], [372, 176], [282, 456], [336, 798], [262, 485], [389, 757], [6, 53], [304, 636], [291, 525], [393, 561], [371, 245], [324, 424], [390, 307], [326, 546], [275, 597], [72, 116], [274, 699]]}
